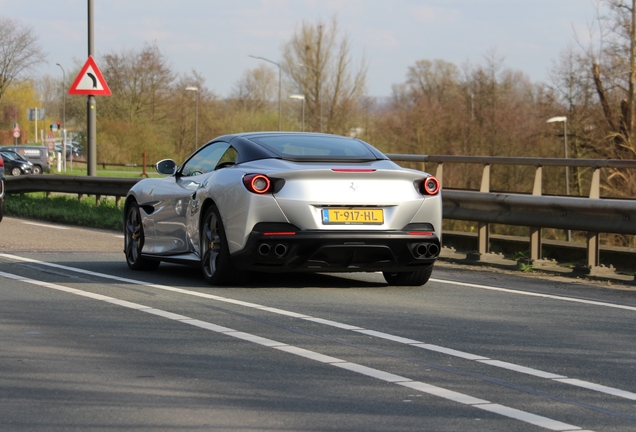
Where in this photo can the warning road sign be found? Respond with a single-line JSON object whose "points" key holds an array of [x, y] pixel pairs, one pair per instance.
{"points": [[90, 81]]}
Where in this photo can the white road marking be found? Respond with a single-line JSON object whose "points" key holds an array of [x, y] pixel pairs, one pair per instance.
{"points": [[46, 226], [430, 347], [523, 416], [450, 351], [461, 398], [532, 294], [521, 369], [387, 336], [598, 388]]}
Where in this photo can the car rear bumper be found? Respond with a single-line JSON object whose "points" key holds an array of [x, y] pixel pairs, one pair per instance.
{"points": [[337, 251]]}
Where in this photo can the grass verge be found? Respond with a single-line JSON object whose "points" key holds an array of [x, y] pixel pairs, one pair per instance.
{"points": [[65, 209]]}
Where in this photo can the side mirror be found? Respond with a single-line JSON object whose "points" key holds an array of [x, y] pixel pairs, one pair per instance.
{"points": [[166, 167]]}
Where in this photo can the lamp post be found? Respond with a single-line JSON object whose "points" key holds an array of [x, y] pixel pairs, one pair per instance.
{"points": [[302, 98], [319, 91], [63, 116], [564, 119], [279, 85], [196, 115]]}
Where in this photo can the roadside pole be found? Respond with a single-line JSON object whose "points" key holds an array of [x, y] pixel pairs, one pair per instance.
{"points": [[90, 82], [91, 113]]}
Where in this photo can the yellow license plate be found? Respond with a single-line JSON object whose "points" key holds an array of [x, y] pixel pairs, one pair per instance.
{"points": [[362, 216]]}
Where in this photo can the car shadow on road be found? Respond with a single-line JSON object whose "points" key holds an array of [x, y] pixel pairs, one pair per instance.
{"points": [[178, 274]]}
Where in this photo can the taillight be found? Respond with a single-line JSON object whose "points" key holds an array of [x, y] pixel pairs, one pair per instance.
{"points": [[430, 186], [257, 183], [1, 162]]}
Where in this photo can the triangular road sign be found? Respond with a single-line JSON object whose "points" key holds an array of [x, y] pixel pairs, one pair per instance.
{"points": [[90, 81]]}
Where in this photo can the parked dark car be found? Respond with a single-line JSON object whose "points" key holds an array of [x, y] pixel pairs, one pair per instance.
{"points": [[16, 165], [71, 147], [1, 189]]}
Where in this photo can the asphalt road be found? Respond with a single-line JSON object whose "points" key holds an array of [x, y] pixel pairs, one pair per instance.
{"points": [[88, 345]]}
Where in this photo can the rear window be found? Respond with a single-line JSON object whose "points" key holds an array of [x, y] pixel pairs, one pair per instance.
{"points": [[311, 148]]}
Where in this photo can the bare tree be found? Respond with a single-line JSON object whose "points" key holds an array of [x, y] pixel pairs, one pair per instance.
{"points": [[141, 83], [432, 79], [318, 61], [256, 88], [607, 66], [613, 70], [19, 51]]}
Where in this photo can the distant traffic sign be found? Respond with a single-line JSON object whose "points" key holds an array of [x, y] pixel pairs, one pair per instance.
{"points": [[90, 81]]}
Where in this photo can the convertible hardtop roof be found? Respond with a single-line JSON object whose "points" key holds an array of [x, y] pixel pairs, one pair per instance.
{"points": [[300, 146]]}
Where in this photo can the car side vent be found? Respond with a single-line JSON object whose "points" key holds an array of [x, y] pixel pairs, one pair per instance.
{"points": [[148, 209]]}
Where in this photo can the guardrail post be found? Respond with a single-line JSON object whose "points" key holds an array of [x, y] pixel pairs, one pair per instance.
{"points": [[593, 252], [593, 245], [535, 232], [98, 199], [483, 233], [117, 201], [439, 173], [143, 172]]}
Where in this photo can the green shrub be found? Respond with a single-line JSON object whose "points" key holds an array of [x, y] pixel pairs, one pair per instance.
{"points": [[66, 209]]}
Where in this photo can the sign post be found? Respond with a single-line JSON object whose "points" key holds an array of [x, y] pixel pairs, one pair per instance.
{"points": [[91, 83], [16, 134]]}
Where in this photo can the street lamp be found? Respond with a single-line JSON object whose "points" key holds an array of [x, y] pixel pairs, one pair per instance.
{"points": [[564, 119], [63, 117], [302, 98], [319, 91], [196, 115], [279, 83]]}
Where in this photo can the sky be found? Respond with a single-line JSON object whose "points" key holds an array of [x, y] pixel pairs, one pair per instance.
{"points": [[215, 37]]}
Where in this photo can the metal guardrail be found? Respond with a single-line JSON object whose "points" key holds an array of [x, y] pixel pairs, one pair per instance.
{"points": [[80, 185], [581, 214], [593, 215]]}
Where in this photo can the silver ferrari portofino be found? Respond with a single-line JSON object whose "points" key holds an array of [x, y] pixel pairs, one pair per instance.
{"points": [[286, 202]]}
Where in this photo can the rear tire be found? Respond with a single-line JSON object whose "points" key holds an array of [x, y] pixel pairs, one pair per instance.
{"points": [[215, 254], [37, 169], [414, 278], [134, 240]]}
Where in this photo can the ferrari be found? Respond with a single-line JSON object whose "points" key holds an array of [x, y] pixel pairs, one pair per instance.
{"points": [[283, 202]]}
